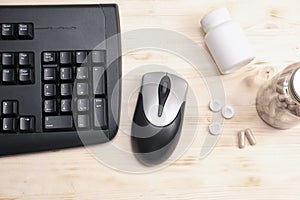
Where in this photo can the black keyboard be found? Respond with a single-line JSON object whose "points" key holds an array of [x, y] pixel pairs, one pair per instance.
{"points": [[60, 76]]}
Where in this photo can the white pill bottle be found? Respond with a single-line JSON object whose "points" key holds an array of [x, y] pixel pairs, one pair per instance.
{"points": [[226, 41], [278, 100]]}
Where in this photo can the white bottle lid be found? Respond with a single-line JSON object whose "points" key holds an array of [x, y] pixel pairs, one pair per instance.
{"points": [[226, 41], [215, 18]]}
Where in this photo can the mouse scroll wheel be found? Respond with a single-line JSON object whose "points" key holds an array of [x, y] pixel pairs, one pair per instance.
{"points": [[163, 93], [164, 87]]}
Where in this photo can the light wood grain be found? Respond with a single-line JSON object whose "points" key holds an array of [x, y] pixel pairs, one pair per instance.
{"points": [[269, 170]]}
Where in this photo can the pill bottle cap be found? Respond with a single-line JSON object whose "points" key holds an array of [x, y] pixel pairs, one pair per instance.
{"points": [[295, 84], [215, 18]]}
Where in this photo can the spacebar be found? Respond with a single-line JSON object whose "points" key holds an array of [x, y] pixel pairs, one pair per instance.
{"points": [[58, 122]]}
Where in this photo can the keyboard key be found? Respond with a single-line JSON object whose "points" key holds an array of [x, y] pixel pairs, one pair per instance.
{"points": [[49, 90], [83, 121], [82, 73], [58, 122], [66, 73], [8, 59], [27, 124], [49, 74], [98, 56], [98, 80], [81, 57], [26, 76], [10, 108], [50, 106], [83, 105], [9, 125], [82, 89], [65, 58], [26, 59], [65, 105], [8, 31], [100, 116], [49, 57], [66, 89], [9, 76], [25, 31]]}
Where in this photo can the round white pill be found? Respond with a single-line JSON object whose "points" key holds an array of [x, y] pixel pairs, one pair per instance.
{"points": [[215, 128], [228, 112], [215, 105]]}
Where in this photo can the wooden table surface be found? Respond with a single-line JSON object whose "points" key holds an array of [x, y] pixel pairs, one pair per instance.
{"points": [[269, 170]]}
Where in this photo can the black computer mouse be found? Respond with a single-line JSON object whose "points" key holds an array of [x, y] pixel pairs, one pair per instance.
{"points": [[158, 117]]}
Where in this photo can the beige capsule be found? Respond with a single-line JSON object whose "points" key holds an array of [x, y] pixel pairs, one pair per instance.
{"points": [[281, 104], [272, 108], [241, 139], [292, 107], [298, 111], [281, 81], [281, 97], [250, 136], [279, 89], [290, 101]]}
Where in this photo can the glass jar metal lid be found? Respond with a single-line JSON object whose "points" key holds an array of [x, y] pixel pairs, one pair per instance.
{"points": [[295, 84]]}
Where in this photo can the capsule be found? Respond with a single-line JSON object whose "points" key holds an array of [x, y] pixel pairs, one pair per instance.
{"points": [[250, 136], [241, 139], [281, 97], [279, 89], [281, 80], [292, 107], [290, 101], [298, 111]]}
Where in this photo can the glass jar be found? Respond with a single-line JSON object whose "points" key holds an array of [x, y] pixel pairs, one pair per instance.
{"points": [[278, 101]]}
